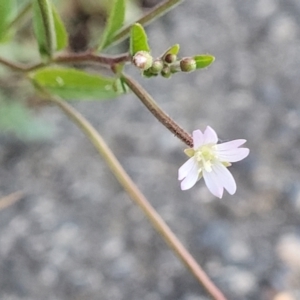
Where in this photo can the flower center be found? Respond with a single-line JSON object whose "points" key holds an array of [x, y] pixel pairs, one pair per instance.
{"points": [[204, 156]]}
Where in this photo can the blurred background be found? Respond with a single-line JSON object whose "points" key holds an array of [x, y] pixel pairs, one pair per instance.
{"points": [[75, 234]]}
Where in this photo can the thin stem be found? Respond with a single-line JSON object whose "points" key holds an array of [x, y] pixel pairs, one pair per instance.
{"points": [[20, 67], [35, 66], [150, 16], [139, 198], [13, 66], [20, 16], [107, 60], [158, 113]]}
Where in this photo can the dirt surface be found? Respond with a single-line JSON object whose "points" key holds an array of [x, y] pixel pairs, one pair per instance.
{"points": [[77, 235]]}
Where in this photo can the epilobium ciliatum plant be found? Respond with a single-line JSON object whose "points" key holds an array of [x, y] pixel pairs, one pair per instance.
{"points": [[57, 81]]}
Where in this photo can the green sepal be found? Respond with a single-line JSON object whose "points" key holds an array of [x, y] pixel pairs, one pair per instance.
{"points": [[73, 84], [138, 39], [190, 152], [148, 73], [203, 61], [114, 23], [172, 50], [166, 72]]}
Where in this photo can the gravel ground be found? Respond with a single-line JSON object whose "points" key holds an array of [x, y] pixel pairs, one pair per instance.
{"points": [[76, 234]]}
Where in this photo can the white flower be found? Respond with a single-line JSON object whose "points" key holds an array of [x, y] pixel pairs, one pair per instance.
{"points": [[210, 160]]}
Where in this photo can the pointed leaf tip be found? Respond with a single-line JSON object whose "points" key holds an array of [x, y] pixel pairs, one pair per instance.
{"points": [[172, 50], [204, 60], [138, 39]]}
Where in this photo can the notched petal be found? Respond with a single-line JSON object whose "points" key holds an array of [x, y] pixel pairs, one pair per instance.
{"points": [[191, 179], [225, 178], [230, 145], [186, 168], [198, 139], [212, 183], [210, 136]]}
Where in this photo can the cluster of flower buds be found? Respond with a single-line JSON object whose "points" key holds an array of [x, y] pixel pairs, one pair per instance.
{"points": [[165, 65]]}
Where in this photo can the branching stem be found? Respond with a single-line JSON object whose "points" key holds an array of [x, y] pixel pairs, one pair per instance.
{"points": [[157, 112], [69, 58], [106, 60], [153, 14], [118, 171], [136, 195]]}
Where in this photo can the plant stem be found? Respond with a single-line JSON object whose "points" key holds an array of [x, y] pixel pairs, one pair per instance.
{"points": [[153, 14], [107, 60], [20, 16], [158, 113], [13, 66], [139, 198], [84, 57], [20, 67]]}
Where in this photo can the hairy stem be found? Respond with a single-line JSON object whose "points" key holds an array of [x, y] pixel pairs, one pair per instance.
{"points": [[158, 113], [150, 16], [106, 60], [139, 198], [84, 57]]}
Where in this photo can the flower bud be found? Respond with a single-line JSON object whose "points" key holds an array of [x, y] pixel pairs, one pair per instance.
{"points": [[157, 66], [170, 58], [142, 60], [166, 72], [148, 73], [188, 64]]}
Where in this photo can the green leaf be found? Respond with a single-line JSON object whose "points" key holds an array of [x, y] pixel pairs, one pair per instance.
{"points": [[60, 30], [49, 28], [172, 50], [44, 28], [114, 23], [138, 39], [203, 61], [7, 12], [73, 84]]}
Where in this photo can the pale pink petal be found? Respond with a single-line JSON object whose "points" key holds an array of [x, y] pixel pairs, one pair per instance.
{"points": [[197, 139], [225, 178], [210, 136], [186, 168], [233, 155], [212, 183], [230, 145], [191, 178]]}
